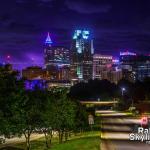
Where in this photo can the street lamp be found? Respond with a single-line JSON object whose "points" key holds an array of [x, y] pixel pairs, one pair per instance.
{"points": [[123, 90]]}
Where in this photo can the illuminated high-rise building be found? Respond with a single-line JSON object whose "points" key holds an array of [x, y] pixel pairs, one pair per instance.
{"points": [[105, 68], [82, 56], [34, 72], [55, 55], [101, 63], [135, 67], [56, 58]]}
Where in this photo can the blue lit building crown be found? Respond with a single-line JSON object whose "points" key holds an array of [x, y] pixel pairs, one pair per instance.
{"points": [[48, 39], [81, 34]]}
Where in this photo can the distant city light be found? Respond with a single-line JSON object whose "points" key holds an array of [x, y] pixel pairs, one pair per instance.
{"points": [[32, 84], [127, 53], [115, 60], [109, 65], [98, 56], [80, 75], [117, 68], [92, 47], [8, 56]]}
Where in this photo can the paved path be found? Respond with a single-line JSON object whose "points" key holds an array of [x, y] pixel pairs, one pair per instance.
{"points": [[116, 130], [21, 139]]}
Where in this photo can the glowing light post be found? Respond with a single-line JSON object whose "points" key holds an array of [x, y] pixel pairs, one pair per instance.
{"points": [[122, 91]]}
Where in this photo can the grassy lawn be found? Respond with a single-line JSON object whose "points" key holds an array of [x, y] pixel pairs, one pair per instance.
{"points": [[85, 141], [89, 143]]}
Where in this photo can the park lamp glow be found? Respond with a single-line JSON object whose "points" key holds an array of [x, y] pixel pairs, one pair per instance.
{"points": [[123, 90]]}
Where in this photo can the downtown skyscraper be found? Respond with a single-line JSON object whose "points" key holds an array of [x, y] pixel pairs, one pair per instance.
{"points": [[134, 66], [55, 55], [82, 56], [57, 60]]}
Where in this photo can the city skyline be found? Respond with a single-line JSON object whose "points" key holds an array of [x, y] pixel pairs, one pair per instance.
{"points": [[25, 25], [74, 74]]}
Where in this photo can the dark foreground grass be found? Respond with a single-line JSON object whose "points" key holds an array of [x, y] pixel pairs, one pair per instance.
{"points": [[89, 143], [85, 141]]}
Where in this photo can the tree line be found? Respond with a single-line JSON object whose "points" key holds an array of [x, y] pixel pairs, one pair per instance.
{"points": [[23, 112], [104, 90]]}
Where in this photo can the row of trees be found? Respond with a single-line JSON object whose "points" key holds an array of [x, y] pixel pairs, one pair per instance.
{"points": [[138, 91], [22, 111], [135, 93], [93, 90], [105, 90]]}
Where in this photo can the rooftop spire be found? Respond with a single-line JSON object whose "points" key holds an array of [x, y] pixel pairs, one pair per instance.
{"points": [[48, 39]]}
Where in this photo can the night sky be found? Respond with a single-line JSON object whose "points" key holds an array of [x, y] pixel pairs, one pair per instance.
{"points": [[114, 24]]}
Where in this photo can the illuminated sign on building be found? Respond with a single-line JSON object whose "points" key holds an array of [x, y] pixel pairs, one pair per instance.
{"points": [[79, 33], [127, 53], [85, 34]]}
